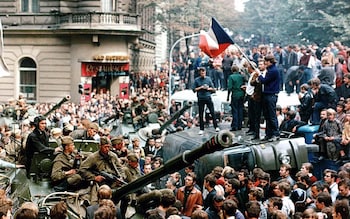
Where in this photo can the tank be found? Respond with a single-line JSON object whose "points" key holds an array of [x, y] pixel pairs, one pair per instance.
{"points": [[218, 142], [176, 116], [39, 190]]}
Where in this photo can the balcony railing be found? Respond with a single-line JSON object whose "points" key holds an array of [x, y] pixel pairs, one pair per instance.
{"points": [[97, 20], [89, 20]]}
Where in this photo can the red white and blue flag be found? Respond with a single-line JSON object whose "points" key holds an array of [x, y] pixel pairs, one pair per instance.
{"points": [[215, 41]]}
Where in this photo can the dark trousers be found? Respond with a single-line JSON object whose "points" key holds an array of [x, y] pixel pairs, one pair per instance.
{"points": [[269, 110], [226, 74], [254, 114], [290, 88], [218, 78], [209, 103], [318, 106], [237, 112], [282, 78]]}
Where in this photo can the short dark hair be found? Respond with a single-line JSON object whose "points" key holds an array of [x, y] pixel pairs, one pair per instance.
{"points": [[342, 207], [276, 201], [253, 209], [325, 198], [210, 178], [230, 207]]}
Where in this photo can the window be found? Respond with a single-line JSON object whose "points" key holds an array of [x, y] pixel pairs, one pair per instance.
{"points": [[27, 80], [30, 6], [107, 5]]}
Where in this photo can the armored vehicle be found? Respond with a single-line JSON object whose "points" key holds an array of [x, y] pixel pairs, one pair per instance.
{"points": [[21, 189]]}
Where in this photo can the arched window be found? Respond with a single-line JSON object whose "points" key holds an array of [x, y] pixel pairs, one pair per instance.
{"points": [[27, 79]]}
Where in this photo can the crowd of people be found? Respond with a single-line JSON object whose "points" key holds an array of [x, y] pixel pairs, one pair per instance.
{"points": [[319, 76]]}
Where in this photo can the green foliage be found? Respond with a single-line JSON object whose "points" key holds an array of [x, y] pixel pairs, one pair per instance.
{"points": [[297, 21]]}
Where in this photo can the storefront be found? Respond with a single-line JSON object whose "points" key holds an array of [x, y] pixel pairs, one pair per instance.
{"points": [[106, 73]]}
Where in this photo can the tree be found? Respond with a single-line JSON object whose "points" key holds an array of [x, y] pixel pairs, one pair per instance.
{"points": [[295, 21], [185, 17]]}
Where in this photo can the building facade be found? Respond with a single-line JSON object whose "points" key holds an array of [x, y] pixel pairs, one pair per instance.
{"points": [[51, 46]]}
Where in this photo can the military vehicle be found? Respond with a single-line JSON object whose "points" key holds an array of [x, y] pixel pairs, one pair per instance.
{"points": [[180, 150], [21, 189], [243, 154]]}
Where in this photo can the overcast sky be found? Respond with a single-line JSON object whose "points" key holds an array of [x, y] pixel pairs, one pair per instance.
{"points": [[240, 5]]}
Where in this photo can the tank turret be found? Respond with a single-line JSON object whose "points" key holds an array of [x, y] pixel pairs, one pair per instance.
{"points": [[149, 131], [58, 105], [175, 116], [218, 142]]}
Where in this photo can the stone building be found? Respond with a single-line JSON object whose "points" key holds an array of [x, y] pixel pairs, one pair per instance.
{"points": [[51, 46]]}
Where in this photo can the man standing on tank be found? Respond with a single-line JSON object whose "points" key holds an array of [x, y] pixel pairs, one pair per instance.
{"points": [[270, 82], [204, 87]]}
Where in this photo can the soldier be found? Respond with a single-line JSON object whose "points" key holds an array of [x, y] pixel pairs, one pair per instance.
{"points": [[118, 146], [64, 170], [101, 161], [132, 172], [140, 114], [102, 167], [162, 115]]}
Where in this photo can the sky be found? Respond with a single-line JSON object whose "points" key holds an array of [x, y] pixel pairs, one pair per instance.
{"points": [[240, 5]]}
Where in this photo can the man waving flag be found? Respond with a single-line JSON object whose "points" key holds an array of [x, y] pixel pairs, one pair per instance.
{"points": [[215, 41]]}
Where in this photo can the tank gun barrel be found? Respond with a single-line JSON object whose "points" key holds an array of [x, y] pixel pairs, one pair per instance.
{"points": [[175, 116], [58, 105], [221, 140]]}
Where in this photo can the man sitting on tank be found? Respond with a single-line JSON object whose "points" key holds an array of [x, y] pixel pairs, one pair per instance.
{"points": [[64, 172], [140, 114], [102, 167], [290, 124], [38, 141], [91, 132]]}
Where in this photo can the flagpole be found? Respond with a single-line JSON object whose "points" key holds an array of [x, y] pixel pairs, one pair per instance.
{"points": [[246, 57], [171, 64], [3, 67]]}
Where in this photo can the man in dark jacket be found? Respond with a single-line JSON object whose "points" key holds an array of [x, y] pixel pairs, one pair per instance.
{"points": [[38, 141], [271, 83], [325, 97]]}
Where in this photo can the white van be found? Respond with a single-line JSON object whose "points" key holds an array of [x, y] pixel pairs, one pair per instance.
{"points": [[219, 100]]}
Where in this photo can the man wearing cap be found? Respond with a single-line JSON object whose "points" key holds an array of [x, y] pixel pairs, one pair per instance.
{"points": [[118, 146], [131, 169], [140, 114], [64, 174], [132, 172], [204, 87], [102, 160], [270, 90]]}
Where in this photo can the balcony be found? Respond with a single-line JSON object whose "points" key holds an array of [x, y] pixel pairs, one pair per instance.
{"points": [[100, 21], [73, 21]]}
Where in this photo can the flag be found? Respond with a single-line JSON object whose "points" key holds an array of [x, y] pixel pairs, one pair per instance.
{"points": [[215, 41], [3, 67]]}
